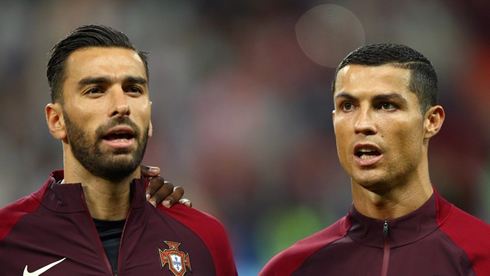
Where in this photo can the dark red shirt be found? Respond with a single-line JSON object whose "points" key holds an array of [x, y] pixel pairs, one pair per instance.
{"points": [[52, 230], [436, 239]]}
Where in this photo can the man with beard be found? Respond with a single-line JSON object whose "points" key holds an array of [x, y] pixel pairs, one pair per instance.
{"points": [[92, 218], [386, 111]]}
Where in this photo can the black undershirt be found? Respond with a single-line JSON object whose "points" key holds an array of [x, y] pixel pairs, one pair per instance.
{"points": [[110, 233]]}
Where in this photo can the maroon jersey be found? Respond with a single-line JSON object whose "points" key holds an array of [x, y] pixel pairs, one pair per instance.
{"points": [[51, 232], [436, 239]]}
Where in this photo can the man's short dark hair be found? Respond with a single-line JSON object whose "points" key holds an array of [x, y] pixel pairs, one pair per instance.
{"points": [[423, 81], [83, 37]]}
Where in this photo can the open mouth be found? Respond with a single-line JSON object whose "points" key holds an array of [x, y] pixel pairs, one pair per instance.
{"points": [[119, 136], [367, 153]]}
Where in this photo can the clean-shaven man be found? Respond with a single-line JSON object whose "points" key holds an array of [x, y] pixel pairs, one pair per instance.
{"points": [[386, 112]]}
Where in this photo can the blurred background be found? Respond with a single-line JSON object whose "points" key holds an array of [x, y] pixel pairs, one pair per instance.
{"points": [[242, 102]]}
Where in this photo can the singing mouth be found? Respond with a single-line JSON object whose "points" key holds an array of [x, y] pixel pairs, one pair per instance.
{"points": [[118, 137], [367, 152], [119, 134]]}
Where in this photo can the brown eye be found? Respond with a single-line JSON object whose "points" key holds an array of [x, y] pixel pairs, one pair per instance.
{"points": [[135, 89], [94, 90], [388, 106], [347, 106]]}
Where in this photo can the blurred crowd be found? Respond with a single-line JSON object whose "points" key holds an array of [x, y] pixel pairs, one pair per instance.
{"points": [[242, 102]]}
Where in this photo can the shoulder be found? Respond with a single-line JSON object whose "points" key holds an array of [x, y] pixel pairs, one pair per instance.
{"points": [[211, 231], [459, 224], [468, 232], [195, 220], [289, 260], [12, 213]]}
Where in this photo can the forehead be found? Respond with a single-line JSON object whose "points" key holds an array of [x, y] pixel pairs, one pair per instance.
{"points": [[104, 61], [361, 79]]}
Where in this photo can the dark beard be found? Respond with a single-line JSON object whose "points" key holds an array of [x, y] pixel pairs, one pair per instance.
{"points": [[101, 164]]}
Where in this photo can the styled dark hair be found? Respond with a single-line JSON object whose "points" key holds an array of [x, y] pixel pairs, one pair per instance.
{"points": [[83, 37], [423, 81]]}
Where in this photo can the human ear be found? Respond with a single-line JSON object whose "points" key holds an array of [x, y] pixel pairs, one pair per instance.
{"points": [[55, 121], [434, 118], [150, 130]]}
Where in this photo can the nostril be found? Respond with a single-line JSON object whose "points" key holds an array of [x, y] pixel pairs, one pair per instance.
{"points": [[121, 110]]}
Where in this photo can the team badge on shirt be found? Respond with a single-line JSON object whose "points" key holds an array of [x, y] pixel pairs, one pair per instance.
{"points": [[177, 261]]}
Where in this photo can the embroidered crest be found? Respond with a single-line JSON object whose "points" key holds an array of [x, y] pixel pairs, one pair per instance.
{"points": [[177, 261]]}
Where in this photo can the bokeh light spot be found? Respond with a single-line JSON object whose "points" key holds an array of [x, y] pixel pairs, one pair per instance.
{"points": [[327, 33]]}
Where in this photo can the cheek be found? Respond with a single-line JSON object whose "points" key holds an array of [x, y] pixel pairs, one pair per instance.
{"points": [[408, 140], [341, 130], [342, 142], [142, 107]]}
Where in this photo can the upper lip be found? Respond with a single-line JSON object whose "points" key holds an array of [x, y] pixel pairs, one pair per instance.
{"points": [[366, 146], [122, 129]]}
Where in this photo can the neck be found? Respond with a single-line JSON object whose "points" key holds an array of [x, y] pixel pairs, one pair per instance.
{"points": [[393, 202], [106, 200]]}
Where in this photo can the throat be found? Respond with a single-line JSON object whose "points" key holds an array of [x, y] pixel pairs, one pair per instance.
{"points": [[390, 203], [107, 204]]}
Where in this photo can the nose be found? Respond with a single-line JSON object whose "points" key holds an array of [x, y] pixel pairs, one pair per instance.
{"points": [[364, 123], [120, 105]]}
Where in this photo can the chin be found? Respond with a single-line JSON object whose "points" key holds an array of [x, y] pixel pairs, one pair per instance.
{"points": [[372, 183]]}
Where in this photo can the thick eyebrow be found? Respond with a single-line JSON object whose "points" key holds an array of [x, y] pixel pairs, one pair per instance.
{"points": [[91, 80], [136, 80], [378, 98], [345, 95], [104, 80], [390, 97]]}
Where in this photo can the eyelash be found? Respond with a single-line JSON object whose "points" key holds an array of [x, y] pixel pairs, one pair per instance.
{"points": [[392, 106], [347, 106], [99, 90], [140, 90], [94, 90], [344, 104]]}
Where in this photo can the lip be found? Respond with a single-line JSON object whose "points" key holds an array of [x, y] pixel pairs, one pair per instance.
{"points": [[119, 143], [370, 161], [120, 129]]}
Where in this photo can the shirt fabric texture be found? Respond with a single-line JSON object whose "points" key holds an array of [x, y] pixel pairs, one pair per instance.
{"points": [[110, 233], [53, 229], [436, 239]]}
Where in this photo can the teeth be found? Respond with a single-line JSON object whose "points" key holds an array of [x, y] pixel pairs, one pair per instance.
{"points": [[120, 140], [367, 153], [364, 156]]}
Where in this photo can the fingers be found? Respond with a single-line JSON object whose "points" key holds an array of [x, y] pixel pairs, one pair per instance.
{"points": [[186, 202], [158, 189], [174, 197], [149, 171]]}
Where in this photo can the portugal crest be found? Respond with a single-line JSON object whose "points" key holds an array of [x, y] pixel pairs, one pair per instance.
{"points": [[177, 261]]}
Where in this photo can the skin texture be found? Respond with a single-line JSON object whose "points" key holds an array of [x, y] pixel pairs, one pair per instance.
{"points": [[160, 191], [375, 110], [121, 93]]}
